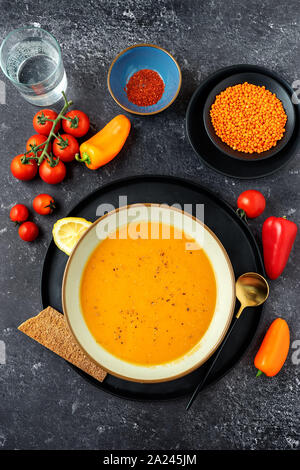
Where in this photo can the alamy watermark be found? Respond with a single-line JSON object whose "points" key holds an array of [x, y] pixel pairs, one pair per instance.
{"points": [[2, 92], [296, 354], [2, 353], [175, 221], [296, 94]]}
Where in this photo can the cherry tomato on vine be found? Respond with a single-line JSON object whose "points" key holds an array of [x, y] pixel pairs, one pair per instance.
{"points": [[28, 231], [79, 124], [52, 174], [35, 140], [65, 147], [23, 171], [41, 125], [252, 202], [19, 213], [43, 204]]}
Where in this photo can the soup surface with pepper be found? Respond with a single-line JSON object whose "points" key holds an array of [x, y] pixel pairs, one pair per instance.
{"points": [[148, 301]]}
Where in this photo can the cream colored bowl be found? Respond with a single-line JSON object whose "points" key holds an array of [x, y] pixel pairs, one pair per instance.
{"points": [[225, 292]]}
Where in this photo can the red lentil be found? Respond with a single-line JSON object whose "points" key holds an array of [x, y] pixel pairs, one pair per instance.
{"points": [[248, 118], [145, 88]]}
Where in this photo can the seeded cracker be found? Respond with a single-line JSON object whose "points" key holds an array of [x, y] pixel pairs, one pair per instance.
{"points": [[50, 329]]}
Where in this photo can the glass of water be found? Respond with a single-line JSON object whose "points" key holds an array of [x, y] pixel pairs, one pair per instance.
{"points": [[31, 58]]}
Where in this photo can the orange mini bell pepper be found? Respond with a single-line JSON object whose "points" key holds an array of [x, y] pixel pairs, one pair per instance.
{"points": [[274, 349], [106, 144]]}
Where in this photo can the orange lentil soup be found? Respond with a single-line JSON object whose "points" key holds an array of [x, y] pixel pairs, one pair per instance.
{"points": [[148, 301]]}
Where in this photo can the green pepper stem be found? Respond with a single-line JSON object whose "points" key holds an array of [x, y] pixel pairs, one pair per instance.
{"points": [[84, 158], [259, 373], [242, 214]]}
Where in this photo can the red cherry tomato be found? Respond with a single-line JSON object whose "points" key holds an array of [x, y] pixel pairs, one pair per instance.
{"points": [[79, 124], [28, 231], [52, 175], [252, 202], [19, 213], [41, 125], [35, 140], [23, 171], [43, 204], [65, 147]]}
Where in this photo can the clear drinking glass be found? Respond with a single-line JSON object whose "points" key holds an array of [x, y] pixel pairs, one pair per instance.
{"points": [[31, 58]]}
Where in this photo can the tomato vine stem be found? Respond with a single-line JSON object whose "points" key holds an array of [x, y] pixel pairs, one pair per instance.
{"points": [[52, 133], [25, 159]]}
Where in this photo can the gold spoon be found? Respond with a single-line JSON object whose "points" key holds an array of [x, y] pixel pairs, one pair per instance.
{"points": [[251, 290]]}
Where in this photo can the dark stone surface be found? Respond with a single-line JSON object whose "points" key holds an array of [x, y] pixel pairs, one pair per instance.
{"points": [[44, 403]]}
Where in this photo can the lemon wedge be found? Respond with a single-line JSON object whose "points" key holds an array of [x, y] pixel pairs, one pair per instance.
{"points": [[66, 232]]}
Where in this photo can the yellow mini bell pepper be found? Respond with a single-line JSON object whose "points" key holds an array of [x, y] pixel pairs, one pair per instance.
{"points": [[106, 144]]}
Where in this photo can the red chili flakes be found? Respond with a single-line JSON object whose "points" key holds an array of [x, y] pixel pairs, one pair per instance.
{"points": [[145, 88]]}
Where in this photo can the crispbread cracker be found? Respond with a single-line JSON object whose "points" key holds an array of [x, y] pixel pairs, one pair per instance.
{"points": [[50, 329]]}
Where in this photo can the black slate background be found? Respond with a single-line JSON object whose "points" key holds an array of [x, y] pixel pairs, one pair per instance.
{"points": [[44, 404]]}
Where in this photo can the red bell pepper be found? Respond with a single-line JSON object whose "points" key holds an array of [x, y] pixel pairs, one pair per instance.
{"points": [[278, 236]]}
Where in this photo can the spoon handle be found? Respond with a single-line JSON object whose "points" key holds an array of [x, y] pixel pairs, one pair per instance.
{"points": [[202, 383], [240, 311]]}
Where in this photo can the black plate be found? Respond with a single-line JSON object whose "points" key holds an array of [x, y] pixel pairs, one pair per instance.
{"points": [[216, 159], [259, 80], [231, 230]]}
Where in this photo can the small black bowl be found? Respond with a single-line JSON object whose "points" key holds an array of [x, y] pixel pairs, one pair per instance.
{"points": [[259, 80]]}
